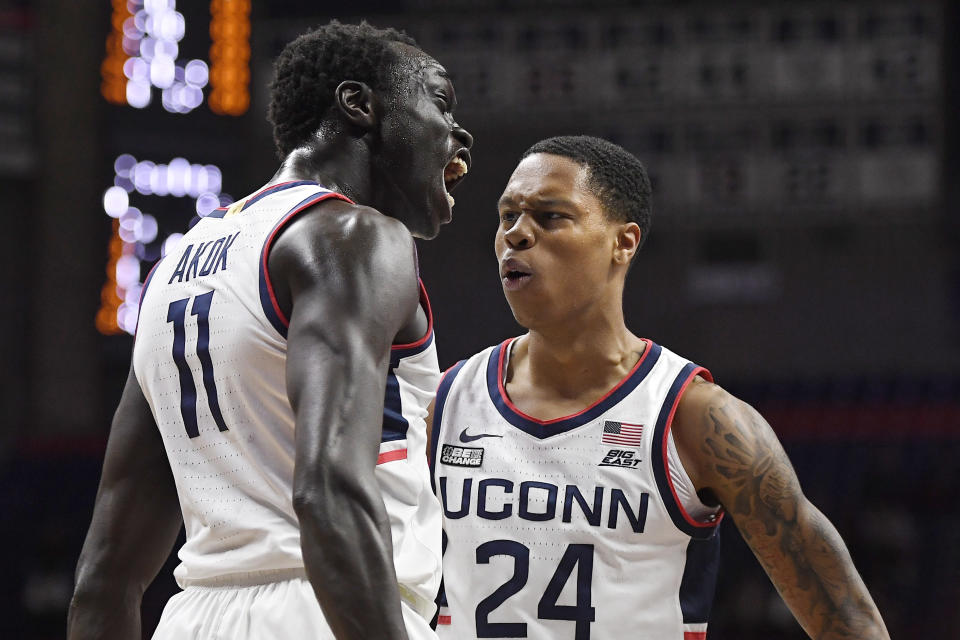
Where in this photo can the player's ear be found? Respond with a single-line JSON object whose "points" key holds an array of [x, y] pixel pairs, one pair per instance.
{"points": [[628, 241], [355, 100]]}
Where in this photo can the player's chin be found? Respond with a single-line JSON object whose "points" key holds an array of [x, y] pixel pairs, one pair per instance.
{"points": [[437, 213], [426, 233], [426, 227], [523, 318], [525, 310]]}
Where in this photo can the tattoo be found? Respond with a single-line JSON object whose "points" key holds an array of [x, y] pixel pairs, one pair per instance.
{"points": [[798, 547]]}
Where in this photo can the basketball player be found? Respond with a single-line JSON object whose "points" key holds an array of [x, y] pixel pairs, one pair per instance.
{"points": [[583, 471], [282, 369]]}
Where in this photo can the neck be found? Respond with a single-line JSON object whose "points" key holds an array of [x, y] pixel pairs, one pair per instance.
{"points": [[338, 162], [564, 357]]}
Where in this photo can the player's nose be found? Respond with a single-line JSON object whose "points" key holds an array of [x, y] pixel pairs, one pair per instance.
{"points": [[462, 136], [520, 235]]}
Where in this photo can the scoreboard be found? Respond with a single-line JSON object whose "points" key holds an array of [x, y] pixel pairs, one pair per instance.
{"points": [[168, 65]]}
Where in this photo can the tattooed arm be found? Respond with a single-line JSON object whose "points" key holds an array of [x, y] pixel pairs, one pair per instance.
{"points": [[733, 457]]}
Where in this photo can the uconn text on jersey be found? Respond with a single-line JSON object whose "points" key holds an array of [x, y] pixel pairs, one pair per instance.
{"points": [[533, 500]]}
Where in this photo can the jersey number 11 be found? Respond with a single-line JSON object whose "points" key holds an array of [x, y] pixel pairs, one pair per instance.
{"points": [[176, 313]]}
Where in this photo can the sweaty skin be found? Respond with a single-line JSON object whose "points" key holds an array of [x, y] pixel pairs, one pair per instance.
{"points": [[732, 454], [346, 277], [130, 535], [353, 286]]}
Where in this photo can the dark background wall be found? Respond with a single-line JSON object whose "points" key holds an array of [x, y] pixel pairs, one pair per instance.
{"points": [[804, 247]]}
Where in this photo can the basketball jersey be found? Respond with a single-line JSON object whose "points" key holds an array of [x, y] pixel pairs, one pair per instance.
{"points": [[210, 357], [574, 528]]}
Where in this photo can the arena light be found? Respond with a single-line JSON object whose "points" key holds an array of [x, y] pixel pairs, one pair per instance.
{"points": [[113, 85], [143, 65], [142, 54], [115, 201], [230, 56], [133, 229]]}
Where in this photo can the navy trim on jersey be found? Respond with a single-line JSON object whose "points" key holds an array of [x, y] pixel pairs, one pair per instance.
{"points": [[395, 426], [547, 428], [658, 457], [441, 598], [274, 188], [400, 351], [267, 300], [699, 581], [217, 213], [442, 390]]}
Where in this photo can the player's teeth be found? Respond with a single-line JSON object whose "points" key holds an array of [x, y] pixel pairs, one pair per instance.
{"points": [[451, 200], [455, 169]]}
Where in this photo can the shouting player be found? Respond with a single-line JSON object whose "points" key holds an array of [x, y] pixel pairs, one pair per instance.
{"points": [[283, 365]]}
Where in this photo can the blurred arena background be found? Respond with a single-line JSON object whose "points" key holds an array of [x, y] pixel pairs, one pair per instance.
{"points": [[806, 165]]}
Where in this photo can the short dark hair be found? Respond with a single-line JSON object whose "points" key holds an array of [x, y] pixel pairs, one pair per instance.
{"points": [[617, 177], [309, 69]]}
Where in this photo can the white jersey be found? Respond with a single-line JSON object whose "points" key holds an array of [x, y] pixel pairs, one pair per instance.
{"points": [[580, 527], [210, 357]]}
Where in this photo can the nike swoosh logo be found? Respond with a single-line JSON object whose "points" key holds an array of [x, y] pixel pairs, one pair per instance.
{"points": [[465, 437]]}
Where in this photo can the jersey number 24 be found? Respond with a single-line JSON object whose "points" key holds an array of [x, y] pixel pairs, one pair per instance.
{"points": [[582, 613]]}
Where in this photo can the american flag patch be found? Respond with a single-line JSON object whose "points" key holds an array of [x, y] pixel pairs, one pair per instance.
{"points": [[622, 433]]}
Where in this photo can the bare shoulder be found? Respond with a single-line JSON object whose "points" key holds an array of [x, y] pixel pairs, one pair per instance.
{"points": [[701, 407], [699, 396], [340, 248], [337, 228], [731, 451]]}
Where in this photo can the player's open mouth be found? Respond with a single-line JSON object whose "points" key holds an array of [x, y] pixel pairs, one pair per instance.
{"points": [[515, 274], [514, 280], [454, 171]]}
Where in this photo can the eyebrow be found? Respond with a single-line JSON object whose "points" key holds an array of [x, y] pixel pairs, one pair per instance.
{"points": [[540, 203]]}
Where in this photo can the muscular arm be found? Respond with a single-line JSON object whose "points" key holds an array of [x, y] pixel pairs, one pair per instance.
{"points": [[352, 287], [136, 519], [731, 452]]}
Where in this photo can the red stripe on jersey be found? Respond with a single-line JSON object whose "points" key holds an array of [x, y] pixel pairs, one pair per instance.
{"points": [[390, 456], [507, 401], [268, 245], [706, 375], [694, 635], [425, 303], [443, 619]]}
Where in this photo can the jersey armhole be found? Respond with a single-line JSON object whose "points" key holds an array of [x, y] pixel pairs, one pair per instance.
{"points": [[687, 498], [398, 351], [660, 459], [268, 298]]}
